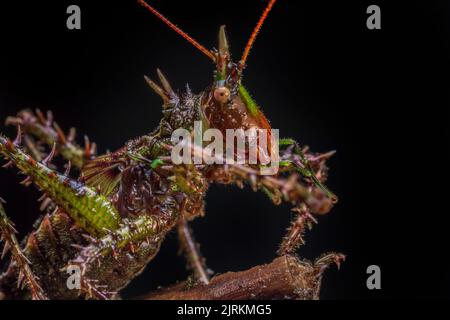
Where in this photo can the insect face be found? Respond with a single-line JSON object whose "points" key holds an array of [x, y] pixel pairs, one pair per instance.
{"points": [[227, 104]]}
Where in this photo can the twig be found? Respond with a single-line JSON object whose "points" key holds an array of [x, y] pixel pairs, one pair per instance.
{"points": [[286, 277]]}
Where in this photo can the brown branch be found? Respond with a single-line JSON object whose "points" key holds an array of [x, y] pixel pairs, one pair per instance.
{"points": [[286, 277]]}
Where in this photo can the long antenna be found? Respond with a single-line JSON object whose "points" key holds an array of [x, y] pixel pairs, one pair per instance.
{"points": [[255, 33], [208, 53]]}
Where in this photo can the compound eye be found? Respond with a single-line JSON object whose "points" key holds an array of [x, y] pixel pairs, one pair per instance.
{"points": [[222, 94]]}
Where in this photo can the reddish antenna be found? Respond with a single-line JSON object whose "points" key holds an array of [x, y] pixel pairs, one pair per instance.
{"points": [[208, 53], [255, 33]]}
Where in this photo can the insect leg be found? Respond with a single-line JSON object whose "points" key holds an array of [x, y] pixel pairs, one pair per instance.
{"points": [[90, 210], [314, 170], [191, 250], [39, 129], [294, 236], [286, 185], [310, 167], [278, 188], [18, 260]]}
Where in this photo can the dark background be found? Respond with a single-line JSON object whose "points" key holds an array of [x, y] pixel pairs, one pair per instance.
{"points": [[379, 97]]}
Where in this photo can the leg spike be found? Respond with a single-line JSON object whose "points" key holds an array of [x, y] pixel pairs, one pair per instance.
{"points": [[61, 136], [41, 117], [68, 167], [5, 250], [50, 156], [8, 165], [87, 147], [45, 203], [93, 148], [72, 134], [26, 182], [49, 118], [18, 139]]}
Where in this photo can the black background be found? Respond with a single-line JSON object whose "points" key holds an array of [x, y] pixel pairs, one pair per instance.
{"points": [[379, 97]]}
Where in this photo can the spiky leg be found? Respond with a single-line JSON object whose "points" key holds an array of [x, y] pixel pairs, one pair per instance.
{"points": [[308, 195], [41, 132], [294, 237], [92, 211], [39, 129], [18, 260], [191, 250], [311, 167], [278, 187]]}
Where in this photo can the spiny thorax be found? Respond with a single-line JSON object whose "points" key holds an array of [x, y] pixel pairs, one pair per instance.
{"points": [[179, 112]]}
